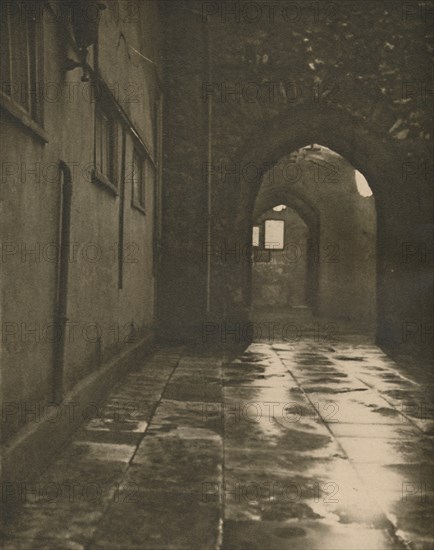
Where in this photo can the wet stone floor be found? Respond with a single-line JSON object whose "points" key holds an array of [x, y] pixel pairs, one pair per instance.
{"points": [[283, 447]]}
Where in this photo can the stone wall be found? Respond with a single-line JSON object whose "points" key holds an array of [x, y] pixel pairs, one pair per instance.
{"points": [[354, 78], [104, 316]]}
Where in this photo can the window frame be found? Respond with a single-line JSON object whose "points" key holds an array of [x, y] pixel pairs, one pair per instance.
{"points": [[282, 222], [32, 115], [139, 203], [258, 227], [108, 179]]}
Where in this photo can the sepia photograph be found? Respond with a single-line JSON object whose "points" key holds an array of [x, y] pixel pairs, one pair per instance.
{"points": [[216, 270]]}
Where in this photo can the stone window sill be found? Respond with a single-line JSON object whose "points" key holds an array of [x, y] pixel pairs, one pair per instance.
{"points": [[104, 182], [138, 207], [22, 116]]}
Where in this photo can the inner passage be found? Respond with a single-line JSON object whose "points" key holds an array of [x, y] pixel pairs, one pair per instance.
{"points": [[314, 242], [280, 275]]}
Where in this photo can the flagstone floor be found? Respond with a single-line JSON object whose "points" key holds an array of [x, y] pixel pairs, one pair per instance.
{"points": [[285, 446]]}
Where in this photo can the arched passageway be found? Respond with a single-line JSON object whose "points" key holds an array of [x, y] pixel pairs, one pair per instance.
{"points": [[324, 266], [366, 152]]}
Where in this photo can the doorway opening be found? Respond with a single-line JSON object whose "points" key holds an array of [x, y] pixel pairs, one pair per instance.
{"points": [[314, 234]]}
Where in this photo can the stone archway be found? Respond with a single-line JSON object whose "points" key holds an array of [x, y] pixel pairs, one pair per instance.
{"points": [[367, 151]]}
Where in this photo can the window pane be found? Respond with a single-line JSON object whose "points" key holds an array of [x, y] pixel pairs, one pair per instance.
{"points": [[21, 44], [98, 141], [274, 234], [134, 177], [5, 52], [112, 152], [19, 60], [33, 67], [255, 235], [138, 178], [148, 179], [105, 146]]}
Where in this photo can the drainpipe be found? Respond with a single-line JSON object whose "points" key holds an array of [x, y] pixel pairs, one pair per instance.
{"points": [[62, 281], [209, 180]]}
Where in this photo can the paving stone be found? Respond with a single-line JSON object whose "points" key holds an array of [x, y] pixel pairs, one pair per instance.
{"points": [[388, 451], [194, 414], [179, 460], [107, 452], [193, 392], [158, 520], [300, 535], [285, 446], [403, 430]]}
